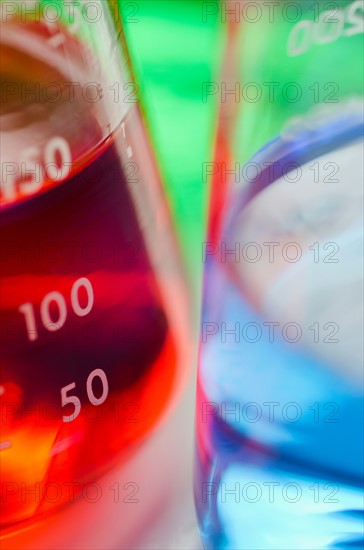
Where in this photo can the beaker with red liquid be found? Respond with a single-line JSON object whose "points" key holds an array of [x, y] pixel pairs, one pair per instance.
{"points": [[93, 302]]}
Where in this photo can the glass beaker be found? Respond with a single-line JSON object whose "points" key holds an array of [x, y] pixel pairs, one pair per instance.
{"points": [[94, 308], [280, 390]]}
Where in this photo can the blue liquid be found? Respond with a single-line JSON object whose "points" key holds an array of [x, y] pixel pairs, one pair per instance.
{"points": [[280, 413], [320, 453]]}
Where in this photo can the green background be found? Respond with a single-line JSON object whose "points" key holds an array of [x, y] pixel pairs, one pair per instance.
{"points": [[176, 48], [174, 51]]}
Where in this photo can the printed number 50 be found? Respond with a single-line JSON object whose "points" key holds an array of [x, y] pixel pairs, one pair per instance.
{"points": [[75, 401]]}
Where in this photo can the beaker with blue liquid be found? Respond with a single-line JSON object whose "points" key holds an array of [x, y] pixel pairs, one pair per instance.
{"points": [[279, 461]]}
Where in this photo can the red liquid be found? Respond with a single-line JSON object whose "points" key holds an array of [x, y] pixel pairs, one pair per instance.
{"points": [[88, 361], [85, 228]]}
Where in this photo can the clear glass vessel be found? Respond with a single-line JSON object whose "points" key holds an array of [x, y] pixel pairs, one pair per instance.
{"points": [[93, 302], [279, 460]]}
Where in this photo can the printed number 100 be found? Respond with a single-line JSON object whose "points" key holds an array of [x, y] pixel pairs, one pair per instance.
{"points": [[81, 310], [59, 301]]}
